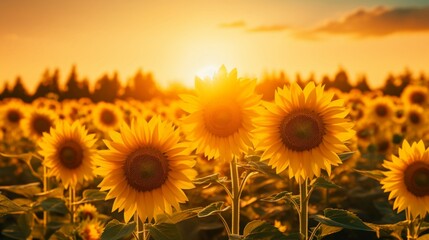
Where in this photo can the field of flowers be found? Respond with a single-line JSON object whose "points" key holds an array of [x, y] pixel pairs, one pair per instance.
{"points": [[218, 162]]}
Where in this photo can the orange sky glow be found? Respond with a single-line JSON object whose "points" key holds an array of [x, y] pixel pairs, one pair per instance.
{"points": [[177, 40]]}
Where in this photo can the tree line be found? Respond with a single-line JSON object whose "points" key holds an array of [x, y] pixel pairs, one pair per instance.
{"points": [[142, 86]]}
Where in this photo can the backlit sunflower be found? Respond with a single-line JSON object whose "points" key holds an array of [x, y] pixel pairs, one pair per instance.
{"points": [[407, 179], [416, 124], [107, 117], [12, 112], [381, 110], [146, 169], [69, 153], [38, 121], [221, 115], [303, 130], [415, 94]]}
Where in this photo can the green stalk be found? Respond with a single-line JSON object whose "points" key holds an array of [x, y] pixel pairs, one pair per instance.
{"points": [[303, 214], [72, 196], [235, 182], [412, 232], [45, 189]]}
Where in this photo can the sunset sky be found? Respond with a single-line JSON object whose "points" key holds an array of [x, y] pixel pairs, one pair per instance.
{"points": [[177, 40]]}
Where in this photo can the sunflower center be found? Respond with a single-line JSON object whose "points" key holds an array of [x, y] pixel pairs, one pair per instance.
{"points": [[223, 120], [71, 154], [302, 130], [41, 124], [414, 118], [381, 110], [108, 117], [416, 178], [146, 169], [418, 98], [13, 116]]}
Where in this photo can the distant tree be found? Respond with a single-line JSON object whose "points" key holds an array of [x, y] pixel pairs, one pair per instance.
{"points": [[362, 84], [72, 89], [141, 87], [341, 81], [106, 89], [19, 91], [6, 92], [299, 80], [42, 88], [327, 82], [85, 91], [269, 84]]}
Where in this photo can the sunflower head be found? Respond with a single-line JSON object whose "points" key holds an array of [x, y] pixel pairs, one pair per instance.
{"points": [[90, 230], [107, 116], [381, 110], [221, 115], [12, 112], [69, 152], [303, 130], [87, 212], [407, 179], [37, 122], [415, 94], [146, 168]]}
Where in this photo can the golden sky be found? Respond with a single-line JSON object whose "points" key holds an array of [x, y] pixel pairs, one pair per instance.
{"points": [[178, 39]]}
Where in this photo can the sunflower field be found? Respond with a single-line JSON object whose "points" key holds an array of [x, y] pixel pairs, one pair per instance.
{"points": [[232, 158]]}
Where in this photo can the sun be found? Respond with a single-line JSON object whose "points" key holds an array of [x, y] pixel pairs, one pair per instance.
{"points": [[206, 71]]}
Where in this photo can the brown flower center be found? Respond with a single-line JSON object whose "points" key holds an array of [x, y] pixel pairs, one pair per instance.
{"points": [[416, 178], [414, 117], [302, 130], [146, 169], [13, 116], [107, 117], [381, 110], [71, 154], [223, 120], [417, 98], [41, 124]]}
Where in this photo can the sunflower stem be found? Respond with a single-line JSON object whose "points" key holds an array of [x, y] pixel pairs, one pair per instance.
{"points": [[412, 229], [72, 196], [303, 214], [45, 189], [235, 182], [140, 228]]}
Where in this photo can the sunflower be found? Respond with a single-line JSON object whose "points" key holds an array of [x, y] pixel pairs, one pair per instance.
{"points": [[145, 169], [12, 112], [416, 123], [87, 211], [221, 115], [407, 179], [381, 110], [38, 121], [69, 152], [107, 117], [415, 94], [303, 130], [90, 230]]}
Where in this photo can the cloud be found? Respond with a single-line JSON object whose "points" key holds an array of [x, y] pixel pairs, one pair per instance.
{"points": [[236, 24], [268, 28], [379, 21]]}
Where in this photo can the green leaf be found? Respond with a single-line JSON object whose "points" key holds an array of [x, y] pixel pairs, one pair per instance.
{"points": [[261, 230], [322, 182], [53, 193], [345, 156], [342, 218], [94, 195], [21, 230], [56, 205], [66, 232], [213, 208], [207, 179], [7, 206], [165, 231], [253, 163], [374, 174], [326, 230], [178, 216], [278, 196], [26, 190], [115, 230], [386, 230]]}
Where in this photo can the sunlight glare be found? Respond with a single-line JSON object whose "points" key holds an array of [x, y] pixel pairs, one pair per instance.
{"points": [[207, 71]]}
